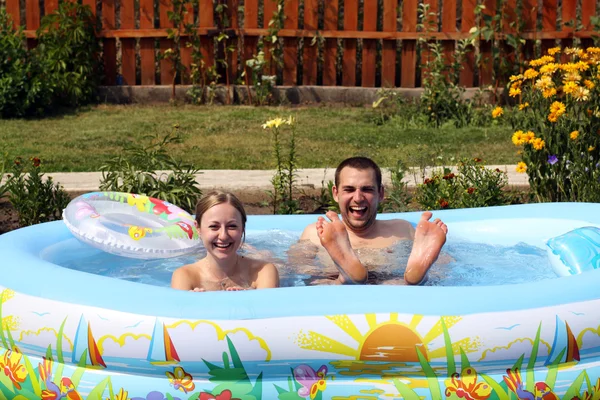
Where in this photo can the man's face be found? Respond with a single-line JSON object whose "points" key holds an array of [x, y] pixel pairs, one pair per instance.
{"points": [[358, 197]]}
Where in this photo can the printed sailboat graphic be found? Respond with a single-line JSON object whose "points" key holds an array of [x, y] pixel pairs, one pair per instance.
{"points": [[86, 344], [565, 342], [162, 351]]}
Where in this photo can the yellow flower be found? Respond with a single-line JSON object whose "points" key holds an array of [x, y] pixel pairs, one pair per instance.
{"points": [[528, 137], [558, 108], [569, 67], [552, 117], [274, 123], [521, 167], [514, 92], [554, 51], [589, 84], [541, 61], [593, 50], [591, 148], [570, 87], [523, 106], [497, 112], [574, 135], [549, 69], [582, 94], [547, 93], [517, 138], [11, 365], [582, 66], [572, 76], [530, 73], [290, 121], [571, 50], [545, 82], [514, 78], [538, 143]]}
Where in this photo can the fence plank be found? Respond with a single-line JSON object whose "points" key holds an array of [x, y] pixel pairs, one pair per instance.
{"points": [[388, 62], [148, 69], [588, 10], [206, 19], [569, 20], [468, 21], [109, 45], [330, 46], [409, 48], [448, 26], [50, 6], [32, 14], [166, 67], [127, 45], [309, 61], [90, 3], [549, 14], [290, 45], [486, 69], [349, 58], [369, 56], [251, 14], [269, 8], [12, 7]]}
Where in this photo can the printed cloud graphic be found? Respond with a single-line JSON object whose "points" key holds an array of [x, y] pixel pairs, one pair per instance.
{"points": [[44, 337], [206, 340], [514, 349], [127, 345]]}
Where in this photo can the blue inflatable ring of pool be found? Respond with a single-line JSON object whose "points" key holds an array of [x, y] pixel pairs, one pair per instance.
{"points": [[87, 336]]}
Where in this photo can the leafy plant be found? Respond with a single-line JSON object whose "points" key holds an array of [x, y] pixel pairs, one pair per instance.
{"points": [[263, 84], [558, 121], [69, 54], [22, 88], [151, 171], [35, 199], [284, 179], [441, 99], [472, 185], [399, 196]]}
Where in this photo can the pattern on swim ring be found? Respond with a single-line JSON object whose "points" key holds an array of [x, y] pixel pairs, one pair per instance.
{"points": [[138, 232], [139, 201]]}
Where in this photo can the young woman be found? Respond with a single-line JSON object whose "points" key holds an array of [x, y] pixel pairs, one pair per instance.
{"points": [[221, 223]]}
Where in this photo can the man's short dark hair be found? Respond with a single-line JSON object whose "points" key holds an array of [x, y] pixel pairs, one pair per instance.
{"points": [[361, 163]]}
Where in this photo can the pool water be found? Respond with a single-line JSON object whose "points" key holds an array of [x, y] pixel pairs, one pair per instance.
{"points": [[460, 264]]}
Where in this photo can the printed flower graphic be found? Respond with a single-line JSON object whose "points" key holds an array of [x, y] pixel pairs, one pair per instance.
{"points": [[181, 380], [465, 386], [12, 367], [224, 395]]}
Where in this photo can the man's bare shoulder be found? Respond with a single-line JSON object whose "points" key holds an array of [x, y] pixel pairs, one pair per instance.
{"points": [[310, 233]]}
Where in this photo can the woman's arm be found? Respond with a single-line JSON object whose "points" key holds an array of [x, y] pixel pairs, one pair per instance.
{"points": [[267, 277]]}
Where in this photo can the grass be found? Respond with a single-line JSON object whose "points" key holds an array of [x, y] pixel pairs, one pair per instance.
{"points": [[232, 137]]}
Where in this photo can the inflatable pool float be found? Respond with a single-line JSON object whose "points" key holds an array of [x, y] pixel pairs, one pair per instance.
{"points": [[131, 225], [69, 334]]}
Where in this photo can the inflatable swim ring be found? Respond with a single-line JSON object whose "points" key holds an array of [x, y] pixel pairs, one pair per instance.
{"points": [[131, 225], [575, 252]]}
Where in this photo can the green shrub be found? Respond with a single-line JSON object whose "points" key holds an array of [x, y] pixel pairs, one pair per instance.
{"points": [[21, 86], [36, 199], [151, 171], [69, 53], [398, 197], [473, 185]]}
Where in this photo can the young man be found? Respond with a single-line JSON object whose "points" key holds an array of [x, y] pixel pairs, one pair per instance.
{"points": [[358, 191]]}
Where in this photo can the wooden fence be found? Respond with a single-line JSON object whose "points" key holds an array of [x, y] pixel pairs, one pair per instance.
{"points": [[385, 32]]}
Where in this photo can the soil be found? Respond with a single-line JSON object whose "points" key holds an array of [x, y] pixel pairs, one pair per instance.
{"points": [[256, 202]]}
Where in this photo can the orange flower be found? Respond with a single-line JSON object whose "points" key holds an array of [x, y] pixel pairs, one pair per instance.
{"points": [[181, 380], [465, 385], [12, 367]]}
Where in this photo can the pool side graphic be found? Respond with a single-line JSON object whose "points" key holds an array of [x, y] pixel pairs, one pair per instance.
{"points": [[162, 350], [85, 346]]}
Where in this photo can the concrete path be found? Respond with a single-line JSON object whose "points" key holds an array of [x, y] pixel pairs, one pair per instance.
{"points": [[259, 179]]}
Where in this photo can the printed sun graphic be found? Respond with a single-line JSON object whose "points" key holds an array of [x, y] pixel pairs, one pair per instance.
{"points": [[390, 340]]}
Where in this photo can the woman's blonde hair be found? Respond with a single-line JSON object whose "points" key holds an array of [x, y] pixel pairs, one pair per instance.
{"points": [[219, 197]]}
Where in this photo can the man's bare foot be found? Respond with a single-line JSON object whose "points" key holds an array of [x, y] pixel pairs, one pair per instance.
{"points": [[429, 239], [334, 238]]}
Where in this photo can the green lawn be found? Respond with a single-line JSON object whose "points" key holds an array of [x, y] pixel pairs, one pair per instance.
{"points": [[232, 137]]}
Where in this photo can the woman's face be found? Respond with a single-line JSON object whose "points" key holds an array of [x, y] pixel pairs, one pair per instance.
{"points": [[221, 230]]}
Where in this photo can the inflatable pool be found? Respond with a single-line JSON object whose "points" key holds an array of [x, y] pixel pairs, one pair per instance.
{"points": [[70, 334]]}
